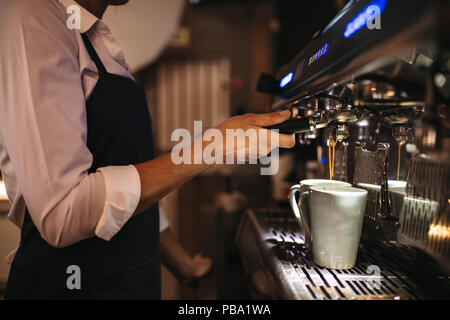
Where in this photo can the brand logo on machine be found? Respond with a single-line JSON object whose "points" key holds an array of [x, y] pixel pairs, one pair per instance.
{"points": [[318, 54], [74, 280], [369, 16]]}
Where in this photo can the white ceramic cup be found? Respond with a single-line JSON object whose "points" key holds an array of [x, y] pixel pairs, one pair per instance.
{"points": [[336, 214], [397, 194], [391, 184], [301, 207], [397, 191]]}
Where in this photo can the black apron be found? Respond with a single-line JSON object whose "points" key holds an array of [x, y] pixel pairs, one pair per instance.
{"points": [[128, 266]]}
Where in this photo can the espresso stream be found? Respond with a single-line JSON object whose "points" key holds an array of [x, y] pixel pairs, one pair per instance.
{"points": [[331, 151]]}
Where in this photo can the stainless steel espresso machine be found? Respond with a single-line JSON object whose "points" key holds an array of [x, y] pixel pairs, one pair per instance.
{"points": [[376, 82]]}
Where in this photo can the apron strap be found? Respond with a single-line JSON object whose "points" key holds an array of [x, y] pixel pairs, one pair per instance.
{"points": [[94, 56]]}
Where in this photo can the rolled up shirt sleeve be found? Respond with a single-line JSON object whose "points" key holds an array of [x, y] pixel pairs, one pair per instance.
{"points": [[43, 131], [123, 192]]}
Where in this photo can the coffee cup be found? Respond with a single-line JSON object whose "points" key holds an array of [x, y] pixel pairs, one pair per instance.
{"points": [[336, 218], [397, 191], [300, 207], [397, 194]]}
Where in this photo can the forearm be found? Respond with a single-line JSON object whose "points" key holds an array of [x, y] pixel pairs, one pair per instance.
{"points": [[174, 257], [160, 176]]}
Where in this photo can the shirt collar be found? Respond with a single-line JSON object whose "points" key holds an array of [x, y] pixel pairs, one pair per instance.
{"points": [[87, 19]]}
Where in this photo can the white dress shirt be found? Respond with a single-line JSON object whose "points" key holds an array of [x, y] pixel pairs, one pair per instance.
{"points": [[46, 75]]}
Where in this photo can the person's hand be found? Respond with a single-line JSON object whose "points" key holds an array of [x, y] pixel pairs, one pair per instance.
{"points": [[253, 124], [185, 268], [196, 268], [200, 265]]}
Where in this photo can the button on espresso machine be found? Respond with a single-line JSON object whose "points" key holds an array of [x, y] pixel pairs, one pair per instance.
{"points": [[382, 97]]}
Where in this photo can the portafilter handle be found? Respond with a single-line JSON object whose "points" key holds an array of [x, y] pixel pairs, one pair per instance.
{"points": [[292, 126]]}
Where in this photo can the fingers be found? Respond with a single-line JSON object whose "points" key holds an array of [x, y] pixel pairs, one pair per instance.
{"points": [[202, 265], [286, 140], [269, 119]]}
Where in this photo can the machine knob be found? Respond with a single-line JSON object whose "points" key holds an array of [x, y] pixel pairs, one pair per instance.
{"points": [[268, 84]]}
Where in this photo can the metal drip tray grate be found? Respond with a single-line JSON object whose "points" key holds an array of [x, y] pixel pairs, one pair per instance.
{"points": [[360, 282], [377, 274]]}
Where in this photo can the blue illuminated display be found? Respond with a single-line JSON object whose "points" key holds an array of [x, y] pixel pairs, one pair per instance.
{"points": [[318, 54], [324, 49], [286, 80], [363, 17]]}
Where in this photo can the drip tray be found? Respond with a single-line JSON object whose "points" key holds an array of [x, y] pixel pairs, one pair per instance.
{"points": [[273, 253]]}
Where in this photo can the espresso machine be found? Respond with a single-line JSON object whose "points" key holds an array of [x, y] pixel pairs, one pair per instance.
{"points": [[374, 85]]}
